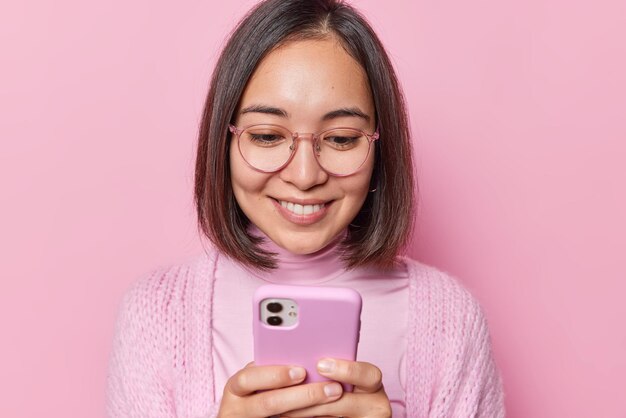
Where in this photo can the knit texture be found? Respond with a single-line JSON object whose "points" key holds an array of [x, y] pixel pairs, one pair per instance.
{"points": [[161, 363]]}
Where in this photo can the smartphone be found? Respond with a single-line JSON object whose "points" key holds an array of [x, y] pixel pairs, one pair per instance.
{"points": [[299, 325]]}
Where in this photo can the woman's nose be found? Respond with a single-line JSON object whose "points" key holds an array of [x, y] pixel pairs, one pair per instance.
{"points": [[303, 170]]}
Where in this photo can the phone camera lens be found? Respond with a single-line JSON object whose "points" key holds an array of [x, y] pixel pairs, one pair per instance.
{"points": [[274, 320], [274, 307]]}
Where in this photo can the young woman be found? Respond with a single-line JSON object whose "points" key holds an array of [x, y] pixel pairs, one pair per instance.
{"points": [[303, 176]]}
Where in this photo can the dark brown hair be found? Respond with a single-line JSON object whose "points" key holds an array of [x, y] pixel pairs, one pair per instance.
{"points": [[384, 223]]}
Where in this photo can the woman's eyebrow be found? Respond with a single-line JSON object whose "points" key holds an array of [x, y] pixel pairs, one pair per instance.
{"points": [[346, 111], [260, 108]]}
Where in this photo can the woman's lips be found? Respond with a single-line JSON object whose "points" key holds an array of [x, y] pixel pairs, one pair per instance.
{"points": [[302, 214]]}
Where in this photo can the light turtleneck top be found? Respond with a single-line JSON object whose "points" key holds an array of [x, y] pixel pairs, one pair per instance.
{"points": [[384, 315]]}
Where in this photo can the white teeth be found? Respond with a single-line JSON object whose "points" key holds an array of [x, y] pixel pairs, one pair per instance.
{"points": [[299, 209]]}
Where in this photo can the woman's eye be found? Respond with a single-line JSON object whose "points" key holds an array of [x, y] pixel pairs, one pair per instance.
{"points": [[266, 139], [341, 142]]}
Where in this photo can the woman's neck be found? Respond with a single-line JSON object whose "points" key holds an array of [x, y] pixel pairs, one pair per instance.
{"points": [[318, 267]]}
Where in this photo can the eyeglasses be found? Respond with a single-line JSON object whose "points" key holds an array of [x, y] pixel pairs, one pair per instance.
{"points": [[269, 148]]}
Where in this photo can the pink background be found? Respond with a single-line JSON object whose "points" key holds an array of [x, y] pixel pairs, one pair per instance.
{"points": [[518, 112]]}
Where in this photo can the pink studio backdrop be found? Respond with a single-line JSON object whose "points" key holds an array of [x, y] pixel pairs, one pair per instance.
{"points": [[518, 113]]}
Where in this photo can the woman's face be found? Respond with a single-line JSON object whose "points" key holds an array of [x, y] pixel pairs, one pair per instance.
{"points": [[301, 86]]}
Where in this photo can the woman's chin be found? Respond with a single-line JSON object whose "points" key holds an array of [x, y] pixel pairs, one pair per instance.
{"points": [[303, 244]]}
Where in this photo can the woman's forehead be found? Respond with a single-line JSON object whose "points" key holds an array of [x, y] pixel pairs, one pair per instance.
{"points": [[309, 75]]}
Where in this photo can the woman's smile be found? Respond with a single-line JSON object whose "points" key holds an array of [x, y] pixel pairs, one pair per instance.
{"points": [[299, 209], [303, 213]]}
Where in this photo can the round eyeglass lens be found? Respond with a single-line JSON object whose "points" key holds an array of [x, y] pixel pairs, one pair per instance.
{"points": [[265, 147], [342, 151]]}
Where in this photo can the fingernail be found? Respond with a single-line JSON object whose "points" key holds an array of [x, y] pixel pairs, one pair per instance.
{"points": [[296, 373], [333, 389], [326, 366]]}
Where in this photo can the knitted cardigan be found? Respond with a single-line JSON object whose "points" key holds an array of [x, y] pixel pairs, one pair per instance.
{"points": [[161, 363]]}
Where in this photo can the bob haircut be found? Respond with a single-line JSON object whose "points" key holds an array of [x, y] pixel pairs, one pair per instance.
{"points": [[383, 226]]}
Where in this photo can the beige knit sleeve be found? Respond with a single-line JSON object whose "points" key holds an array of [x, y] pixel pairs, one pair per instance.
{"points": [[137, 381], [452, 370]]}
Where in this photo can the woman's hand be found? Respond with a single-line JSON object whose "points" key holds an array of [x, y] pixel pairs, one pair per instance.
{"points": [[279, 396], [367, 400]]}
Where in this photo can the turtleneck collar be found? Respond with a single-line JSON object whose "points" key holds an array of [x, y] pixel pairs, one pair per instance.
{"points": [[321, 266]]}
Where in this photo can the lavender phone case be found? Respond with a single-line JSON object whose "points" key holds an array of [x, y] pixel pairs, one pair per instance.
{"points": [[328, 326]]}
